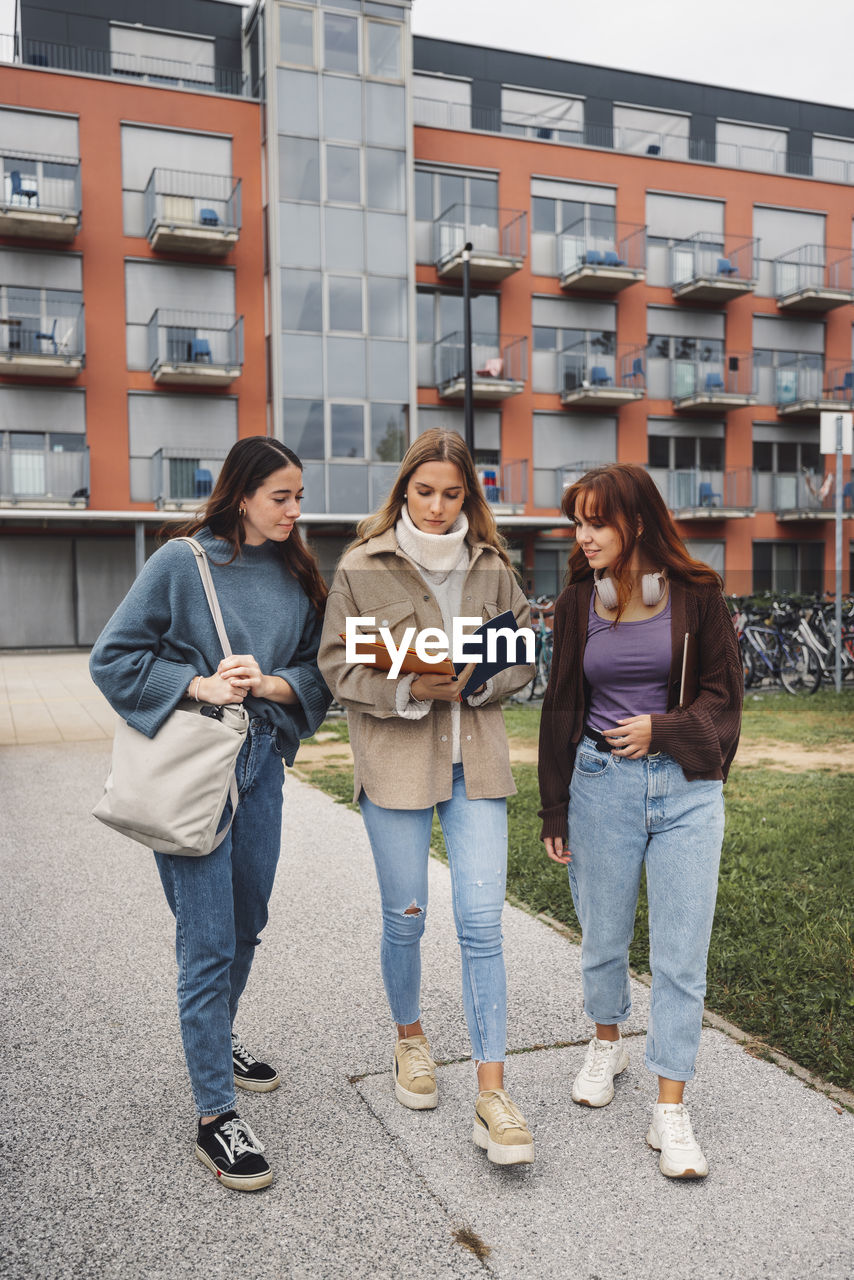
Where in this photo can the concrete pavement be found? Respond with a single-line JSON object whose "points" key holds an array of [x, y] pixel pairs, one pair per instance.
{"points": [[99, 1176]]}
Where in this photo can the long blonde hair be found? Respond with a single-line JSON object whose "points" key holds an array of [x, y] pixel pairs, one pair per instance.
{"points": [[437, 445]]}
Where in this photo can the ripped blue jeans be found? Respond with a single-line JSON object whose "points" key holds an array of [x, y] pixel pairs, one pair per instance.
{"points": [[475, 834]]}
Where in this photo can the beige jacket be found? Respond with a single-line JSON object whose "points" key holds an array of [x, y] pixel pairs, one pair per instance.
{"points": [[406, 764]]}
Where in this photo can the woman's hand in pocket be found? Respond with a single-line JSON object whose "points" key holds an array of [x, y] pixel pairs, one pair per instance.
{"points": [[556, 850]]}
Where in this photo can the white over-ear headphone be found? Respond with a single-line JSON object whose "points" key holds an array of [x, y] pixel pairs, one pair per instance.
{"points": [[653, 586]]}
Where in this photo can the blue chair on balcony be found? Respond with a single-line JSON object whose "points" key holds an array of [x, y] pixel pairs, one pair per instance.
{"points": [[846, 386], [20, 191], [637, 377], [599, 376], [50, 337], [209, 217], [706, 495], [613, 259], [726, 268], [594, 258], [848, 495], [653, 149], [200, 351], [714, 382], [202, 482]]}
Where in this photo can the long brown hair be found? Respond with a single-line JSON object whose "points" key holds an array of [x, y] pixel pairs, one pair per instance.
{"points": [[437, 445], [626, 497], [245, 469]]}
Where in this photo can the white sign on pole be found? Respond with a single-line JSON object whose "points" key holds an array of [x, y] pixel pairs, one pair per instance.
{"points": [[827, 439]]}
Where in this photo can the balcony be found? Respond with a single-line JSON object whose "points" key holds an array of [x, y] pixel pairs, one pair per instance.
{"points": [[840, 387], [505, 486], [165, 73], [499, 366], [813, 278], [40, 337], [596, 380], [713, 385], [799, 390], [590, 261], [192, 212], [707, 268], [191, 349], [183, 478], [44, 477], [698, 494], [803, 495], [498, 238], [40, 197]]}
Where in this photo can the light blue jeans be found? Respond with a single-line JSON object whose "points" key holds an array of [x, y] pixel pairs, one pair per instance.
{"points": [[622, 814], [475, 834], [220, 908]]}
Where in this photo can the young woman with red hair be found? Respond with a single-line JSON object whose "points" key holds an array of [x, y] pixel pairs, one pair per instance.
{"points": [[629, 777]]}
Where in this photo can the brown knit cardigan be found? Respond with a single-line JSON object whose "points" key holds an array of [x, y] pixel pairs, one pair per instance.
{"points": [[702, 737]]}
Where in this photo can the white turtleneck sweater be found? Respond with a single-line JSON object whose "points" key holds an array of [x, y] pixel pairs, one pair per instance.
{"points": [[442, 560]]}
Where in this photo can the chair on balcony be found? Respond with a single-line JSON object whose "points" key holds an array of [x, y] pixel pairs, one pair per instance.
{"points": [[200, 351], [846, 386], [202, 482], [492, 368], [637, 377], [653, 149], [594, 258], [19, 190], [45, 336], [714, 382], [209, 217], [848, 495], [599, 376], [613, 259], [706, 495], [726, 268]]}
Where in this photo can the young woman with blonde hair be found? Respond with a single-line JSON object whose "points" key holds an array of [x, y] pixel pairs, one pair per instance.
{"points": [[431, 553], [629, 778]]}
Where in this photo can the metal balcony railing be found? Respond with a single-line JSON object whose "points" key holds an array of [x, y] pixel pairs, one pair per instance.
{"points": [[583, 368], [184, 476], [715, 381], [839, 385], [193, 338], [506, 484], [591, 243], [805, 491], [43, 183], [436, 114], [720, 264], [33, 323], [210, 201], [168, 73], [497, 359], [705, 490], [815, 271], [494, 233], [570, 472], [43, 475], [801, 384]]}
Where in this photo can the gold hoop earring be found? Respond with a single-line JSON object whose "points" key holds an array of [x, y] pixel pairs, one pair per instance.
{"points": [[241, 511]]}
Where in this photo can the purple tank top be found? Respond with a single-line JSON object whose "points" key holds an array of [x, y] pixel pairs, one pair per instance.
{"points": [[627, 667]]}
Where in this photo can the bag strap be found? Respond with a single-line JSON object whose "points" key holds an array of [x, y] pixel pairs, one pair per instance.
{"points": [[204, 569]]}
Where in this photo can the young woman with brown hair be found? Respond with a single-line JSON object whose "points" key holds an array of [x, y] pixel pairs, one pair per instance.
{"points": [[161, 647], [429, 554], [628, 777]]}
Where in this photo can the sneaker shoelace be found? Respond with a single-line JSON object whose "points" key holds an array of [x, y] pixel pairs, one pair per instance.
{"points": [[417, 1059], [237, 1139], [505, 1114], [240, 1051], [678, 1124], [598, 1055]]}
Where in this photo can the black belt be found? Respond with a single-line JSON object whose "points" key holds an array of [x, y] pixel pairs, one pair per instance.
{"points": [[601, 741]]}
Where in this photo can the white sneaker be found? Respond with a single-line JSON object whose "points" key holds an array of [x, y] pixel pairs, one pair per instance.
{"points": [[594, 1084], [672, 1135]]}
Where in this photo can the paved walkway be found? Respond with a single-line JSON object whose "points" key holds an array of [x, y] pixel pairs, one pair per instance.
{"points": [[100, 1179]]}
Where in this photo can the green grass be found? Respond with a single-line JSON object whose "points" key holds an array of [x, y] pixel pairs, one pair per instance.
{"points": [[781, 963]]}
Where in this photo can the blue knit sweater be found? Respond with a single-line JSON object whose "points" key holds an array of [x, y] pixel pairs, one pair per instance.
{"points": [[162, 635]]}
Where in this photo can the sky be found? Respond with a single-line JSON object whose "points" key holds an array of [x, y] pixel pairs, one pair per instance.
{"points": [[771, 46]]}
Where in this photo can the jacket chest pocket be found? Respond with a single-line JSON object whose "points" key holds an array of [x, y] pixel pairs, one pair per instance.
{"points": [[489, 610], [397, 615]]}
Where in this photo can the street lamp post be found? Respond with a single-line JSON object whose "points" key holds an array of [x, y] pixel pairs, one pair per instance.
{"points": [[468, 401]]}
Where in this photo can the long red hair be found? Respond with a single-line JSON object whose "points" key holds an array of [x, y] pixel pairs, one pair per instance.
{"points": [[625, 497]]}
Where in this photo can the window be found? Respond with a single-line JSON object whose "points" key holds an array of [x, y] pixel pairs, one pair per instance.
{"points": [[685, 452], [296, 36], [298, 101], [341, 43], [794, 567], [387, 307], [439, 315], [342, 109], [299, 169], [303, 427], [389, 432], [749, 146], [641, 131], [385, 179], [441, 101], [343, 176], [545, 116], [347, 430], [384, 51], [345, 303], [385, 112]]}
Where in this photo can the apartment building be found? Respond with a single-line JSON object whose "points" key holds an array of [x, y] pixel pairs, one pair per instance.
{"points": [[661, 273]]}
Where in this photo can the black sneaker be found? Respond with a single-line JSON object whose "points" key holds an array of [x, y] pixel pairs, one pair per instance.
{"points": [[230, 1149], [248, 1072]]}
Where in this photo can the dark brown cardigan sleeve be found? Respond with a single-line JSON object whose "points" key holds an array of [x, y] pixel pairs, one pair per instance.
{"points": [[703, 737], [556, 752]]}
